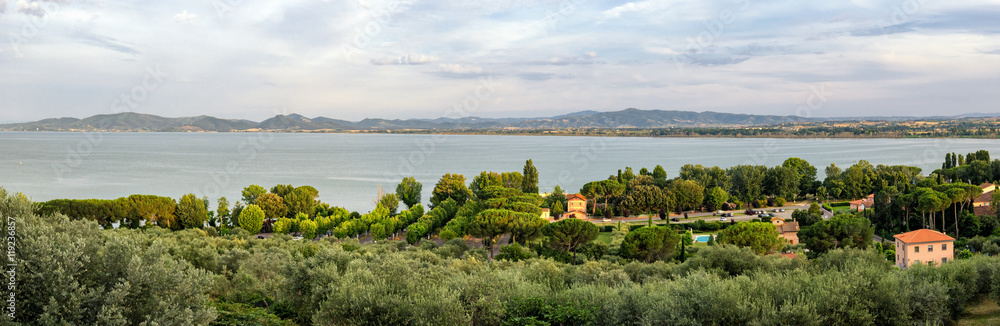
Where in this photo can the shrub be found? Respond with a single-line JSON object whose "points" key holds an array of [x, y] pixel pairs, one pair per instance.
{"points": [[514, 252], [252, 219], [308, 228]]}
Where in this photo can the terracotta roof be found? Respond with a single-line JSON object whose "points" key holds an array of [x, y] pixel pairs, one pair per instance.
{"points": [[576, 197], [984, 210], [923, 235], [985, 197], [792, 226], [986, 185], [867, 201]]}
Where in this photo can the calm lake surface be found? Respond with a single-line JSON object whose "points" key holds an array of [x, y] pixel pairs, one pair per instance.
{"points": [[347, 169]]}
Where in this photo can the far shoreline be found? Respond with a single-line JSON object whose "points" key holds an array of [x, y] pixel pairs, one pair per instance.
{"points": [[542, 133]]}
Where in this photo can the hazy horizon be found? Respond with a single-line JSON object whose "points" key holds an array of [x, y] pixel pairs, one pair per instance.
{"points": [[495, 59], [973, 114]]}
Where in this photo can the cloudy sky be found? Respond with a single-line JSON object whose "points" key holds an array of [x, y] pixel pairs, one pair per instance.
{"points": [[355, 59]]}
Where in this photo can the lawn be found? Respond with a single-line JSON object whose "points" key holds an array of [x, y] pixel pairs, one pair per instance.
{"points": [[986, 312], [604, 237]]}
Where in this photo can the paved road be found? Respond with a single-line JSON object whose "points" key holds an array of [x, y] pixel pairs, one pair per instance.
{"points": [[737, 215]]}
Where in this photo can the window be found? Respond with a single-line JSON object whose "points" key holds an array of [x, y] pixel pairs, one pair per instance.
{"points": [[916, 248], [944, 260], [930, 248], [944, 246], [916, 261]]}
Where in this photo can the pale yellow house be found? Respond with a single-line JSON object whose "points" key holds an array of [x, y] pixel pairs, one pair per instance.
{"points": [[986, 197], [576, 206], [923, 246]]}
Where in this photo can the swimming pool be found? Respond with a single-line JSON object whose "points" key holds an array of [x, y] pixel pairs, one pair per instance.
{"points": [[702, 238]]}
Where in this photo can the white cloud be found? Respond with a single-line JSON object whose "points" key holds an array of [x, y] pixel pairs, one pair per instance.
{"points": [[411, 59], [3, 6], [32, 8], [185, 17], [629, 7], [460, 69]]}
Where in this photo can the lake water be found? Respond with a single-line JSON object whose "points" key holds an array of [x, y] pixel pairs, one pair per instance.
{"points": [[347, 169]]}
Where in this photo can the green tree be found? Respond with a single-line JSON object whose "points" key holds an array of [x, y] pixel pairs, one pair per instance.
{"points": [[646, 199], [450, 186], [659, 176], [408, 191], [781, 182], [760, 237], [716, 197], [807, 217], [390, 202], [688, 195], [806, 173], [649, 244], [283, 225], [569, 235], [490, 224], [529, 184], [252, 219], [526, 227], [300, 200], [747, 181], [484, 181], [252, 192], [223, 212], [273, 206], [841, 231], [191, 212], [556, 201], [308, 229], [282, 190], [512, 180]]}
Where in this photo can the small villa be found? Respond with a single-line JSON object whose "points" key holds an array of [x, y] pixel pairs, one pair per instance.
{"points": [[787, 230], [863, 203], [576, 206], [923, 246]]}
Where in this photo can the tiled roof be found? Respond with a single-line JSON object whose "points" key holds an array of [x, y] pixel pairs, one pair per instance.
{"points": [[576, 197], [923, 235], [984, 210], [985, 197], [792, 226]]}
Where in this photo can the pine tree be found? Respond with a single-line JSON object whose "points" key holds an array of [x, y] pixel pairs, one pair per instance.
{"points": [[529, 185]]}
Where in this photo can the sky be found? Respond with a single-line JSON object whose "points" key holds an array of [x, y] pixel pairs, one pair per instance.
{"points": [[358, 59]]}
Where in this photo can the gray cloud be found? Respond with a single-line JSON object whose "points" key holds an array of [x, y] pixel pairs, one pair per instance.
{"points": [[105, 42]]}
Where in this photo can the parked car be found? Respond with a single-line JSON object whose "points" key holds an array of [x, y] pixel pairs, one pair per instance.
{"points": [[728, 215], [675, 219], [781, 210], [722, 219], [607, 220]]}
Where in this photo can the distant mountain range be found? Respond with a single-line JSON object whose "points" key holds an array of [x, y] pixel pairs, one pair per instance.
{"points": [[629, 118]]}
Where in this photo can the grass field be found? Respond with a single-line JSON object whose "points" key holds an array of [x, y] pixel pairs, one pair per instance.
{"points": [[986, 312]]}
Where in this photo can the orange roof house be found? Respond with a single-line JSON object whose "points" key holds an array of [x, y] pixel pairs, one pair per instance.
{"points": [[863, 203], [787, 230], [576, 206], [923, 246]]}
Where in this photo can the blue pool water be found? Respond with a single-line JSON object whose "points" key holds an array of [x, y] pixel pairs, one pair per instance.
{"points": [[702, 238]]}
